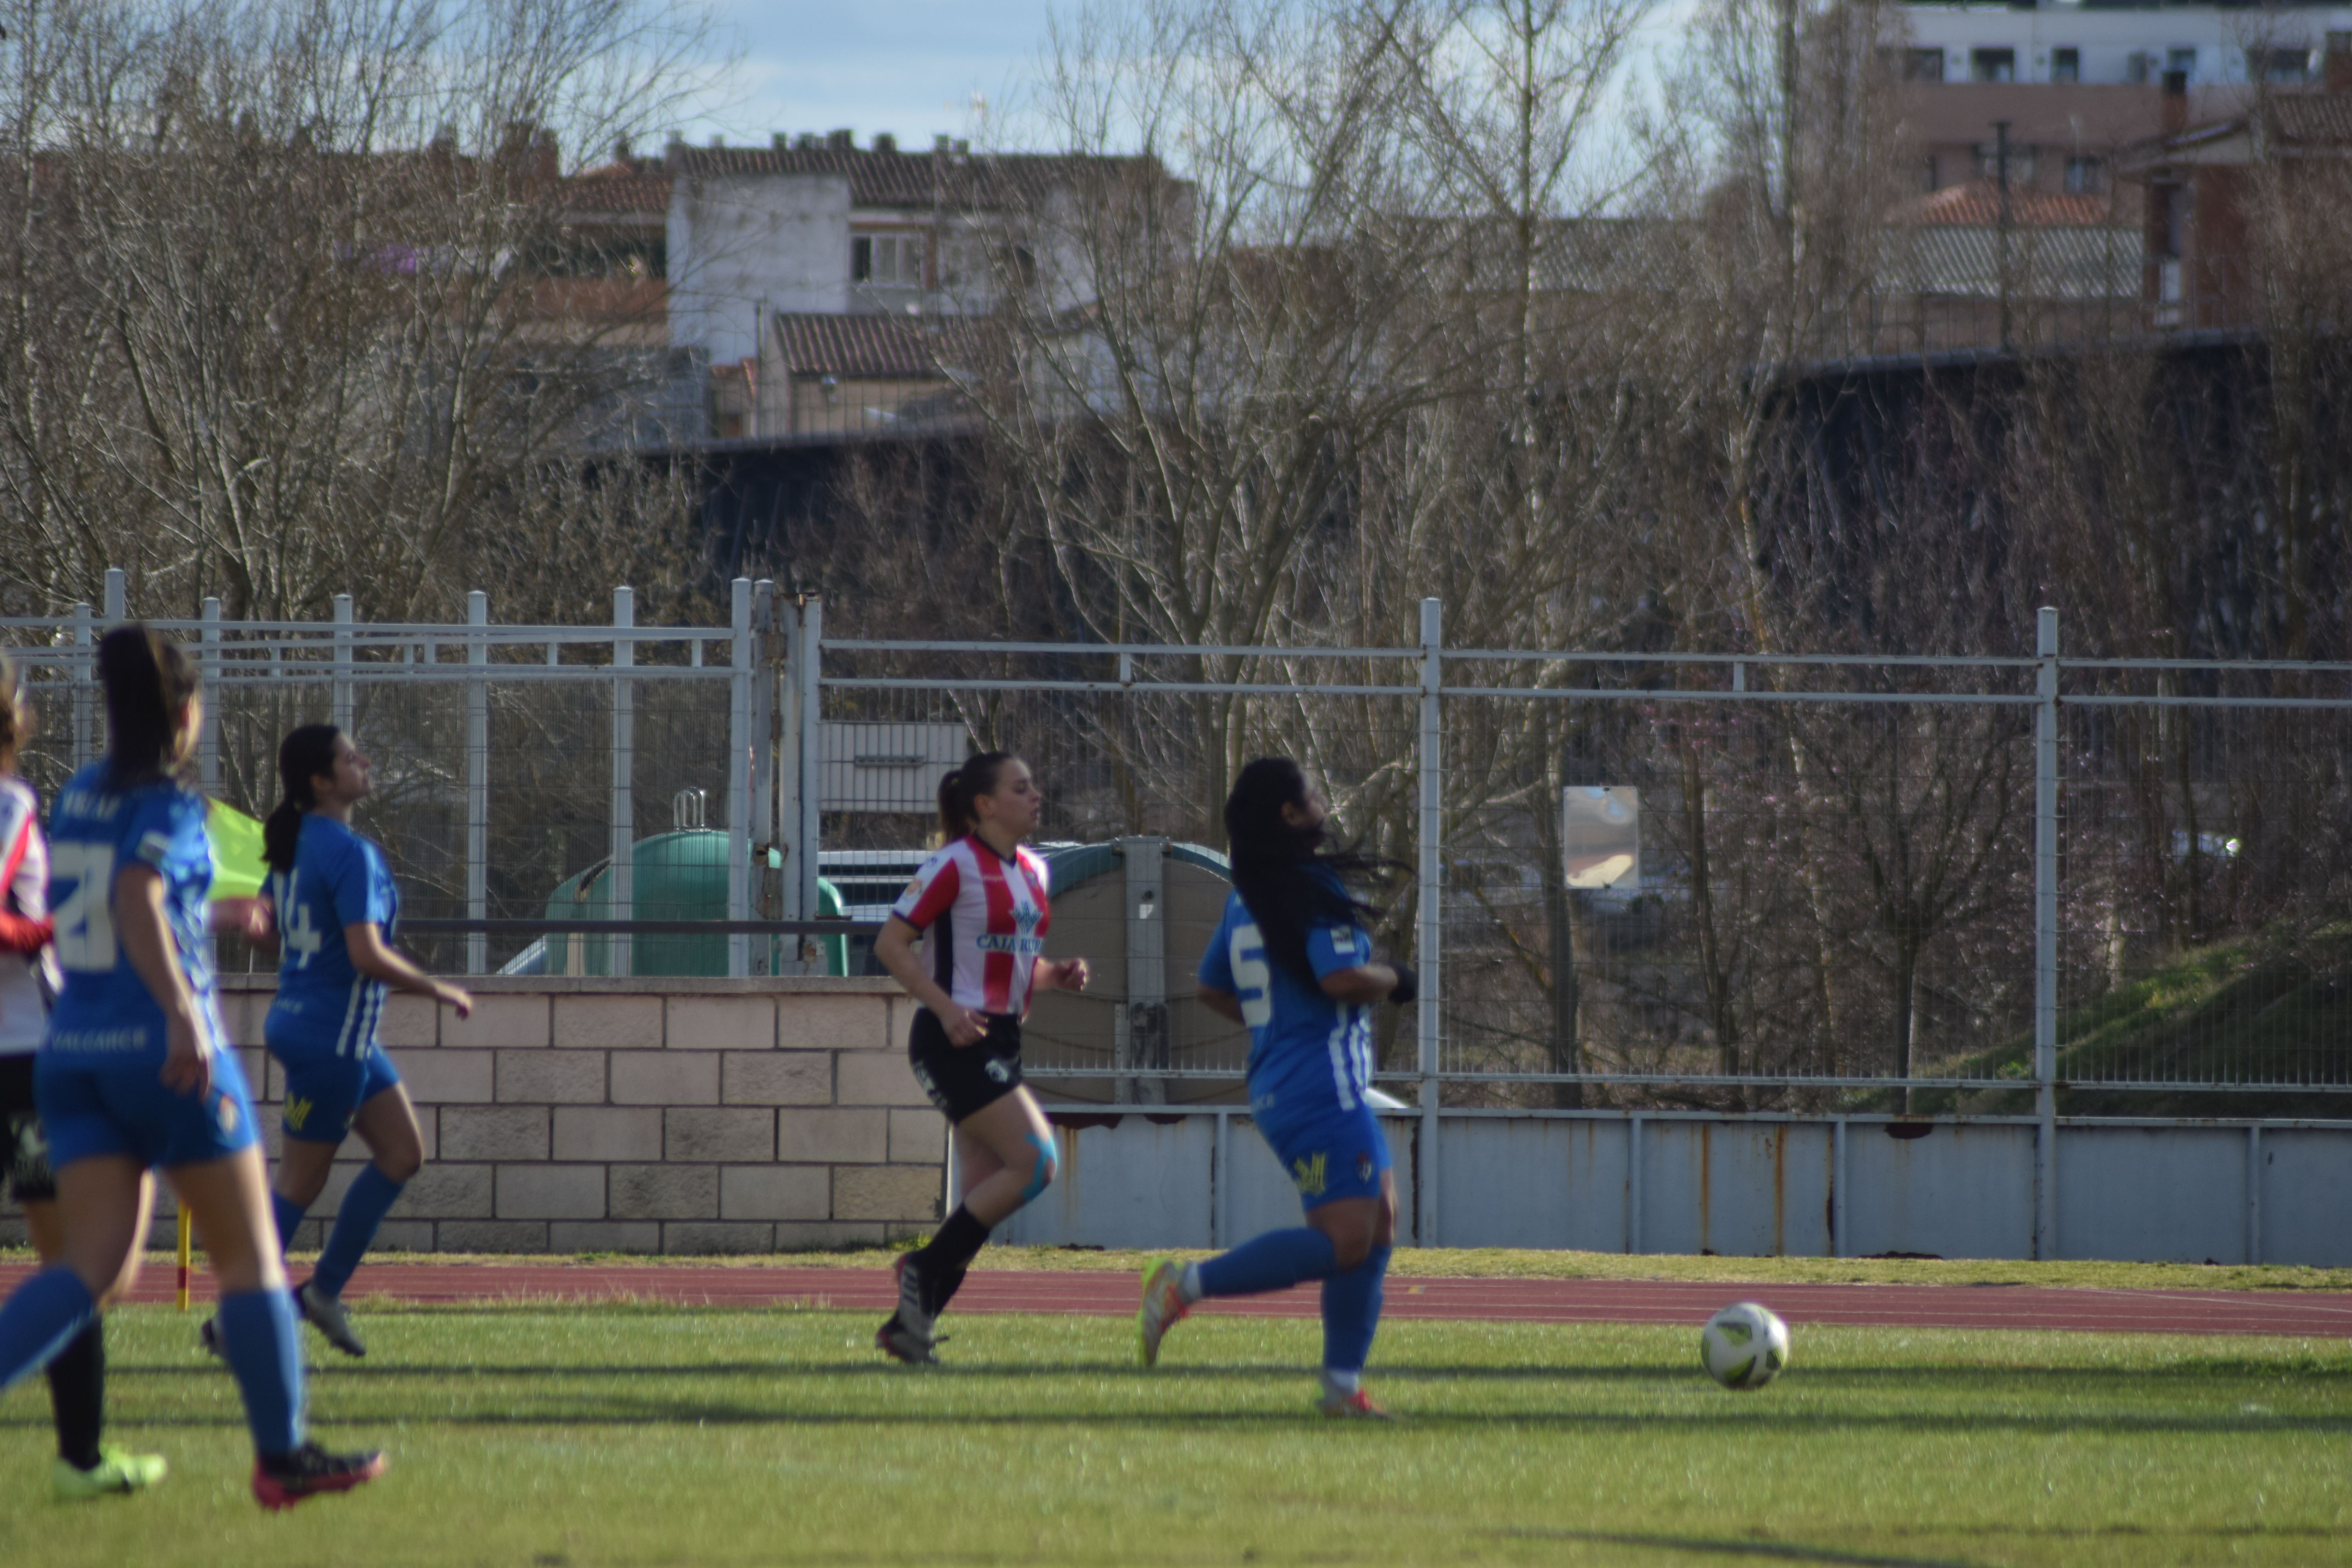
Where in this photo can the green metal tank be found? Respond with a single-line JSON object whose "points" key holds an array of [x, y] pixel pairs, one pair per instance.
{"points": [[680, 875]]}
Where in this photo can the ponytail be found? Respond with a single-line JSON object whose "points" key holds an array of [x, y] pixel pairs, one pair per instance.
{"points": [[149, 684], [304, 756], [964, 786]]}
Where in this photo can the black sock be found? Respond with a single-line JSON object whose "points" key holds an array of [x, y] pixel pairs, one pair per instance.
{"points": [[78, 1394], [944, 1258]]}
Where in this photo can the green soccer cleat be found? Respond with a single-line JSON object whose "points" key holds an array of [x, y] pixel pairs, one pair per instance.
{"points": [[325, 1313], [1163, 1308], [118, 1473]]}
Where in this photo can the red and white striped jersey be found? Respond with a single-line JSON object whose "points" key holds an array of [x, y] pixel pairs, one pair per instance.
{"points": [[984, 921]]}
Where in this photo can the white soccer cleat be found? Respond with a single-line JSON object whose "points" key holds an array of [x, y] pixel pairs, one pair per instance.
{"points": [[1163, 1308]]}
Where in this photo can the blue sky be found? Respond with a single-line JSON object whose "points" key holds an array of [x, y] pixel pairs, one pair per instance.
{"points": [[907, 66]]}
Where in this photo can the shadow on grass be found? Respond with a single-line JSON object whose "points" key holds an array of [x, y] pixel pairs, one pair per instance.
{"points": [[1744, 1418], [1913, 1379], [1778, 1551]]}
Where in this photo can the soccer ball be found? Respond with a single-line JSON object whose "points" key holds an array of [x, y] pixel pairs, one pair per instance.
{"points": [[1743, 1346]]}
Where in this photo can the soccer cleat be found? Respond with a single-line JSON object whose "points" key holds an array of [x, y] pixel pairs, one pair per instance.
{"points": [[325, 1313], [285, 1479], [1163, 1308], [896, 1340], [116, 1474], [208, 1336], [914, 1297], [1353, 1406]]}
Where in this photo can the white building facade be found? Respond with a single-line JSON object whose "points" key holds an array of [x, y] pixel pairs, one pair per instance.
{"points": [[2213, 46]]}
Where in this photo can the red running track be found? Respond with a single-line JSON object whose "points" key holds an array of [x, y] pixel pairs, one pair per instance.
{"points": [[1489, 1300]]}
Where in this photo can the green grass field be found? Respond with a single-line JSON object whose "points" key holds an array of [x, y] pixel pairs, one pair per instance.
{"points": [[564, 1438]]}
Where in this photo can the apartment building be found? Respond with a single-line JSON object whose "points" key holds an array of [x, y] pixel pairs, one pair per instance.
{"points": [[2051, 95]]}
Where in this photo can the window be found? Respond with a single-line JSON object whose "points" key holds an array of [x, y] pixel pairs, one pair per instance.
{"points": [[2282, 68], [2021, 161], [1992, 65], [2065, 64], [2181, 61], [2138, 66], [2085, 176], [1923, 65], [886, 260]]}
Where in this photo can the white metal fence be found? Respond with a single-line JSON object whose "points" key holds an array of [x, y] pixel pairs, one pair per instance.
{"points": [[1864, 882]]}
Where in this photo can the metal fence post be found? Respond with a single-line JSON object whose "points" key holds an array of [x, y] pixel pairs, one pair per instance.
{"points": [[2045, 937], [477, 780], [738, 782], [117, 597], [83, 676], [344, 701], [760, 817], [808, 798], [208, 766], [1431, 912], [622, 952]]}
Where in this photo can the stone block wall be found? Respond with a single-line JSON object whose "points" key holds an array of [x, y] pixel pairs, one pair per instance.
{"points": [[654, 1115]]}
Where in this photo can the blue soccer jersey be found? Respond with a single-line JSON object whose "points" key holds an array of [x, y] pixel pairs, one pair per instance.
{"points": [[105, 1010], [339, 879], [1306, 1049]]}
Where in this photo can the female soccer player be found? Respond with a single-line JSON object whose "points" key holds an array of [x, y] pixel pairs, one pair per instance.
{"points": [[85, 1467], [133, 1074], [980, 904], [1293, 960], [335, 906]]}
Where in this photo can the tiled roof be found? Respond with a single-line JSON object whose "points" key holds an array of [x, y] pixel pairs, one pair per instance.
{"points": [[618, 189], [1976, 204], [873, 347], [909, 179]]}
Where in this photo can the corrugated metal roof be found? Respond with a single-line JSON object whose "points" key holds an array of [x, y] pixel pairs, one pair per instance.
{"points": [[2044, 264]]}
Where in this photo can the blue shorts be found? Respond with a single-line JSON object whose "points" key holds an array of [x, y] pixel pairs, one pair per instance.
{"points": [[116, 1107], [1328, 1153], [324, 1090]]}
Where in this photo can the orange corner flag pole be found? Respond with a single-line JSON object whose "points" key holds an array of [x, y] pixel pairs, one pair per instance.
{"points": [[184, 1244]]}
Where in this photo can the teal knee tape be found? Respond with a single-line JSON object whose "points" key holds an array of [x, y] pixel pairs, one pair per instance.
{"points": [[1041, 1175]]}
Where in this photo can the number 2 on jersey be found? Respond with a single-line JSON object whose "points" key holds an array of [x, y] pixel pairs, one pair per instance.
{"points": [[85, 916], [1252, 979]]}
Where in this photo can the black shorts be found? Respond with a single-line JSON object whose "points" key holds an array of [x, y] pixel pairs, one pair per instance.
{"points": [[962, 1080], [22, 1144]]}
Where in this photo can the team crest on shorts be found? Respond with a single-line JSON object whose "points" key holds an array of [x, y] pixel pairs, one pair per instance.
{"points": [[1310, 1174], [998, 1070], [297, 1111], [226, 1115], [1363, 1167]]}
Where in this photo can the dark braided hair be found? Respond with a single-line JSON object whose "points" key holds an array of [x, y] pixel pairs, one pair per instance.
{"points": [[963, 786], [306, 754], [1282, 874], [147, 682]]}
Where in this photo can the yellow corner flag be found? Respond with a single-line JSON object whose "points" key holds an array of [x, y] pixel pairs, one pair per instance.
{"points": [[238, 871]]}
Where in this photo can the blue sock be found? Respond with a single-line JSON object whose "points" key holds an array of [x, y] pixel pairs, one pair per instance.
{"points": [[370, 1199], [1351, 1310], [290, 1214], [1274, 1261], [265, 1350], [41, 1318]]}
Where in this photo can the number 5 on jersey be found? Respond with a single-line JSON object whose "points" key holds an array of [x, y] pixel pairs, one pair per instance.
{"points": [[1251, 978], [84, 914]]}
